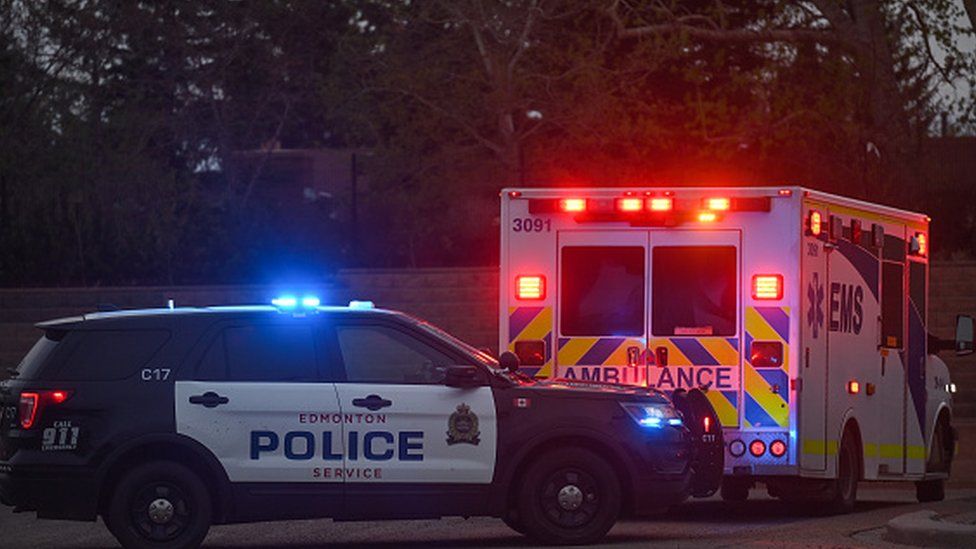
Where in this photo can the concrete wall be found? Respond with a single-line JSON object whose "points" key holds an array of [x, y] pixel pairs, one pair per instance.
{"points": [[464, 301]]}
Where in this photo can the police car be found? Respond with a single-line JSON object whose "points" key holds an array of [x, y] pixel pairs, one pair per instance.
{"points": [[167, 421]]}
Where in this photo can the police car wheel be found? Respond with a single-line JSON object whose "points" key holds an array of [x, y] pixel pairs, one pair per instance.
{"points": [[160, 505], [570, 496]]}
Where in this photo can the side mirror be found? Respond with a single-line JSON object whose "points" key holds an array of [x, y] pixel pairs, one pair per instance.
{"points": [[964, 335], [509, 361], [462, 376]]}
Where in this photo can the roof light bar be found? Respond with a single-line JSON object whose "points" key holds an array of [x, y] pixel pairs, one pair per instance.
{"points": [[630, 204], [572, 204], [718, 204], [660, 204], [361, 304]]}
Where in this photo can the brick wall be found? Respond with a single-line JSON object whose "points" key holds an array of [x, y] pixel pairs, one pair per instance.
{"points": [[464, 301]]}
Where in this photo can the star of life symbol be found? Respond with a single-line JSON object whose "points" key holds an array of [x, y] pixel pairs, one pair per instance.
{"points": [[815, 296]]}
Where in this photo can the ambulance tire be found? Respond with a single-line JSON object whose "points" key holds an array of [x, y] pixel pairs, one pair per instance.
{"points": [[930, 490], [843, 493], [570, 496], [735, 489], [159, 505]]}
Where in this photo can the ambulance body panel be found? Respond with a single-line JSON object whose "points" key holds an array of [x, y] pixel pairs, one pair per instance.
{"points": [[797, 332]]}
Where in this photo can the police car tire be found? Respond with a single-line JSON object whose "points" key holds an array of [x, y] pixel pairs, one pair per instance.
{"points": [[166, 479], [539, 493]]}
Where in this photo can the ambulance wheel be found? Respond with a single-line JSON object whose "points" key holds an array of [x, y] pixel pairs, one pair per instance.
{"points": [[930, 490], [569, 497], [735, 489], [159, 505], [844, 490]]}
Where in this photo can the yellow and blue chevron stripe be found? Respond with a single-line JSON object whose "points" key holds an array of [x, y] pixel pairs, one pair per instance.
{"points": [[706, 351], [767, 390], [532, 323]]}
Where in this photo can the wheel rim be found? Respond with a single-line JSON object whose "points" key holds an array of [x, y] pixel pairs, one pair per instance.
{"points": [[160, 511], [570, 498]]}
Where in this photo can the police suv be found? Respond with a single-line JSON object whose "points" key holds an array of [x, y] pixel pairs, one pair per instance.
{"points": [[166, 421]]}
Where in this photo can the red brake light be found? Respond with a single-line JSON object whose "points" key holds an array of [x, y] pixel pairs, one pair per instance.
{"points": [[767, 286], [630, 204], [757, 448], [28, 409], [707, 423], [816, 223], [530, 287], [659, 204], [777, 448], [31, 403], [718, 204], [572, 204]]}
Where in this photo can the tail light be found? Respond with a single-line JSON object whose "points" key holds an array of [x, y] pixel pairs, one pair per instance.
{"points": [[32, 402], [660, 204], [777, 448], [707, 424], [721, 204], [532, 287], [757, 448], [574, 205], [767, 286]]}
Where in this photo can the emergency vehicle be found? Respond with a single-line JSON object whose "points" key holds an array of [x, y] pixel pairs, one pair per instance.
{"points": [[802, 315], [166, 421]]}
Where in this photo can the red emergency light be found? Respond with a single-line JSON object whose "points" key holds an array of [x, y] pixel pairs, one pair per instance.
{"points": [[767, 286], [777, 448], [815, 223], [530, 287], [630, 204], [757, 448], [573, 205], [718, 204], [660, 204]]}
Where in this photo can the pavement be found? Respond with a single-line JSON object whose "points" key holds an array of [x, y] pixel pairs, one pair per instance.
{"points": [[705, 523]]}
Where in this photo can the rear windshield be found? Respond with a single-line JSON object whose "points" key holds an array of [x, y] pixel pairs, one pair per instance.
{"points": [[32, 364], [104, 355], [694, 291]]}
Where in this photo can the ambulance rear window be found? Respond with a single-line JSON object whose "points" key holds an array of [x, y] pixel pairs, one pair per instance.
{"points": [[602, 291], [694, 291]]}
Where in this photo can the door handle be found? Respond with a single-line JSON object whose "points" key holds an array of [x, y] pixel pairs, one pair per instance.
{"points": [[209, 399], [372, 402]]}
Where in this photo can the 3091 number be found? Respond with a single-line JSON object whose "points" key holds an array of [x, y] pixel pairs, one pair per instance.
{"points": [[531, 225]]}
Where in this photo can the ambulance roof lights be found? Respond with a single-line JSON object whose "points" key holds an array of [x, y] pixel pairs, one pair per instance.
{"points": [[767, 286], [718, 204], [630, 204], [777, 448], [572, 205], [815, 223], [919, 244], [707, 217], [354, 304], [660, 204], [530, 287]]}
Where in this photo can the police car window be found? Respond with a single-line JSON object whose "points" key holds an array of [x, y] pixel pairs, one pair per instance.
{"points": [[36, 359], [693, 291], [377, 354], [270, 353], [602, 291], [109, 354]]}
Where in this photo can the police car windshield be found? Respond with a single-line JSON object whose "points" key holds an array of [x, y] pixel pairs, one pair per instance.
{"points": [[477, 354]]}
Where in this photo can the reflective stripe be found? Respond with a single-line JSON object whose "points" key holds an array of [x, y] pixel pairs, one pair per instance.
{"points": [[767, 390], [532, 323]]}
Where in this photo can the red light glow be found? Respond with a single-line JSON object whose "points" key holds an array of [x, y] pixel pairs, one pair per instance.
{"points": [[532, 287], [707, 217], [572, 204], [707, 423], [923, 244], [660, 204], [853, 387], [757, 448], [767, 286], [630, 204], [718, 204], [816, 223], [28, 409], [777, 448]]}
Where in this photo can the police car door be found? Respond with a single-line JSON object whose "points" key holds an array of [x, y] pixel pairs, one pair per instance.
{"points": [[694, 317], [402, 426], [260, 402]]}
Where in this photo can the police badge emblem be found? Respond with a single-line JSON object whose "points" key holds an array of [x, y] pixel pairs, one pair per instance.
{"points": [[462, 426]]}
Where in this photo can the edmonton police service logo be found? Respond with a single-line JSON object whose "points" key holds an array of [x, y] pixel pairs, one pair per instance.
{"points": [[462, 426]]}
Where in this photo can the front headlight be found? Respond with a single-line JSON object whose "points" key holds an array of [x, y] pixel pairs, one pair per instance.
{"points": [[652, 415]]}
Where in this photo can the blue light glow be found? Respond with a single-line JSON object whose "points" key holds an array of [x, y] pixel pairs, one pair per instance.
{"points": [[310, 301], [285, 302], [650, 422], [361, 305]]}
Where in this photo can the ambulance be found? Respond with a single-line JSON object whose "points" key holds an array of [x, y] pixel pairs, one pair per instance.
{"points": [[802, 315]]}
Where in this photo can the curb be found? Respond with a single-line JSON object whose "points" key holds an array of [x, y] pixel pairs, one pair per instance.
{"points": [[922, 528]]}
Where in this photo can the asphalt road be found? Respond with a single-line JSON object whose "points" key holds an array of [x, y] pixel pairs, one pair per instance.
{"points": [[711, 522]]}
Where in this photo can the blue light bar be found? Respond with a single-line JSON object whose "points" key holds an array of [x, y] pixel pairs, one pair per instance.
{"points": [[310, 301], [285, 302], [361, 305]]}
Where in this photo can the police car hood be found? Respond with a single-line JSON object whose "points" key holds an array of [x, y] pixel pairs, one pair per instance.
{"points": [[597, 387]]}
